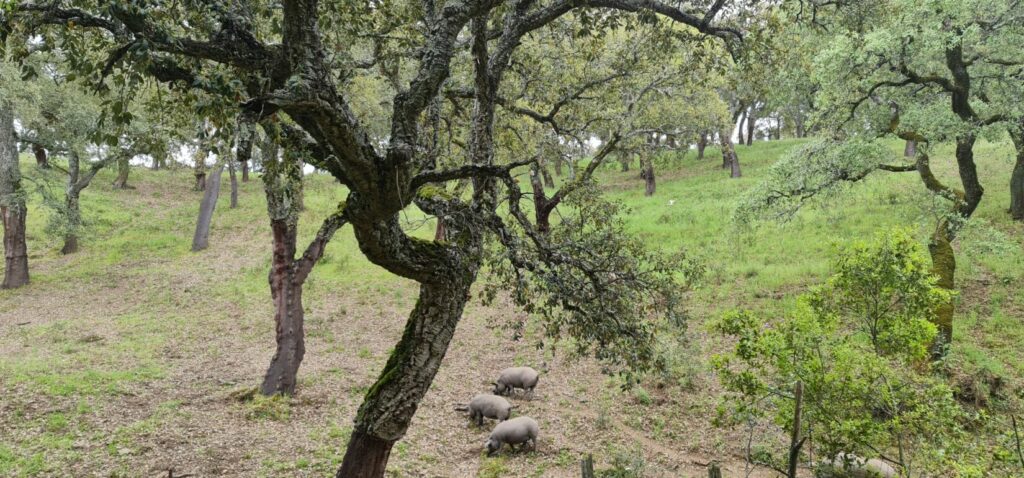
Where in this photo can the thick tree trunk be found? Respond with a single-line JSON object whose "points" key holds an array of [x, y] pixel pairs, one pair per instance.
{"points": [[702, 143], [74, 218], [15, 247], [392, 401], [944, 268], [12, 205], [734, 170], [1017, 178], [123, 168], [624, 160], [41, 158], [201, 239], [648, 173], [286, 291], [245, 171], [798, 121], [366, 456], [1017, 189], [234, 184], [558, 166], [910, 149]]}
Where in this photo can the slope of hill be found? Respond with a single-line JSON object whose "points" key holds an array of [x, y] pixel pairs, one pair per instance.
{"points": [[125, 359]]}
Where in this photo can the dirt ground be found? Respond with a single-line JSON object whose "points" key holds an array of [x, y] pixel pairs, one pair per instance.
{"points": [[131, 370]]}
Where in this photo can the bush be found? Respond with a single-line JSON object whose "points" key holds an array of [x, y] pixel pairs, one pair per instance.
{"points": [[857, 344]]}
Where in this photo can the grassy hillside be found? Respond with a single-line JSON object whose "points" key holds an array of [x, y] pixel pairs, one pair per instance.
{"points": [[123, 359]]}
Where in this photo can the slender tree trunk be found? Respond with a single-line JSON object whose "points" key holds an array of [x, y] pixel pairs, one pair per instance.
{"points": [[201, 239], [542, 206], [41, 158], [799, 123], [624, 159], [548, 180], [751, 123], [944, 268], [74, 218], [245, 171], [1017, 178], [730, 160], [234, 184], [123, 168], [286, 290], [648, 173], [702, 143], [12, 205], [199, 170], [741, 127], [558, 165], [200, 180], [392, 401], [910, 149]]}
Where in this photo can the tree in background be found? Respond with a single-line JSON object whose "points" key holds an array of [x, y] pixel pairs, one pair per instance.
{"points": [[910, 83]]}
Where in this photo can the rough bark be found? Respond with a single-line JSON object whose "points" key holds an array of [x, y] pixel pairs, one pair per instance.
{"points": [[751, 124], [1017, 178], [42, 160], [12, 205], [123, 168], [199, 171], [245, 171], [201, 238], [234, 184], [648, 174], [542, 206], [286, 292], [200, 180], [439, 232], [944, 268], [730, 160], [74, 218], [392, 401], [702, 143]]}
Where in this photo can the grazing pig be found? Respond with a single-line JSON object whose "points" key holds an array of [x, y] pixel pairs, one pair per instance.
{"points": [[487, 406], [516, 431], [516, 377], [848, 465]]}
